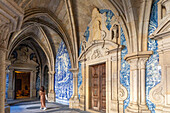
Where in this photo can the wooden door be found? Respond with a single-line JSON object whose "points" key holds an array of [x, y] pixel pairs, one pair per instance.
{"points": [[98, 87], [102, 73]]}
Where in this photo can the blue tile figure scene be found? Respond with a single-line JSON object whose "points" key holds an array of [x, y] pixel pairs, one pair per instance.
{"points": [[63, 77], [153, 70]]}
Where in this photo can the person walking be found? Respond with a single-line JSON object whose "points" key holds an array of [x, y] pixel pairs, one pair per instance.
{"points": [[42, 98]]}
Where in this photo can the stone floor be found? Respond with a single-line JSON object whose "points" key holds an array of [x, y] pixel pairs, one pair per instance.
{"points": [[34, 107]]}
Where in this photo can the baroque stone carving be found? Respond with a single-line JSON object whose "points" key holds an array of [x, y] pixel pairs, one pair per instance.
{"points": [[157, 96], [122, 92], [96, 54], [22, 55], [83, 47]]}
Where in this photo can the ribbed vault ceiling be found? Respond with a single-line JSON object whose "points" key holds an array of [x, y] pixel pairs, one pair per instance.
{"points": [[82, 10]]}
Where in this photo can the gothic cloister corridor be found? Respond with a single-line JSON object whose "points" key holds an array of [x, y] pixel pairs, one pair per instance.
{"points": [[97, 56]]}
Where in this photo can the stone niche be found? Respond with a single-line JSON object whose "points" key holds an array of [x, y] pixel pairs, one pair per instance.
{"points": [[160, 95], [103, 46], [23, 59]]}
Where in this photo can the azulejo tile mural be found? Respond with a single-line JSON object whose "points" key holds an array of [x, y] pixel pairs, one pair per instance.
{"points": [[153, 70], [63, 77], [125, 69]]}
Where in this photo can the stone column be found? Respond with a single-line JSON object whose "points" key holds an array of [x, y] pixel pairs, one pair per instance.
{"points": [[74, 100], [13, 19], [137, 82], [33, 84], [2, 79], [51, 94], [11, 84], [133, 105], [142, 95]]}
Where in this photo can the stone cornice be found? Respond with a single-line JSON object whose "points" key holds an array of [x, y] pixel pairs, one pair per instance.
{"points": [[143, 54], [74, 70], [163, 29]]}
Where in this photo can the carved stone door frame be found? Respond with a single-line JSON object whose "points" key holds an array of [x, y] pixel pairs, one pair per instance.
{"points": [[97, 54], [11, 89]]}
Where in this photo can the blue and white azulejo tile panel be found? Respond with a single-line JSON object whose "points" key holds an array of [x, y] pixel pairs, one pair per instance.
{"points": [[125, 69], [153, 70], [63, 77]]}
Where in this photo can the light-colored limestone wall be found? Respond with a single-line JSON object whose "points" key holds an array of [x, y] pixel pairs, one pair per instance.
{"points": [[2, 80]]}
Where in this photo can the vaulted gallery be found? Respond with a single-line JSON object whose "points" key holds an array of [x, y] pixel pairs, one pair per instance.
{"points": [[91, 55]]}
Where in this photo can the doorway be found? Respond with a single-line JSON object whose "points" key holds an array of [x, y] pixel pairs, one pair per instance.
{"points": [[98, 87], [22, 84]]}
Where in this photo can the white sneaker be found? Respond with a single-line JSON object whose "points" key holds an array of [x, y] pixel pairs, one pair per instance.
{"points": [[45, 108], [40, 107]]}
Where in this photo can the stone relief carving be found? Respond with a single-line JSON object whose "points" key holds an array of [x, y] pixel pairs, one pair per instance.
{"points": [[157, 96], [96, 54], [122, 92], [23, 55], [83, 47]]}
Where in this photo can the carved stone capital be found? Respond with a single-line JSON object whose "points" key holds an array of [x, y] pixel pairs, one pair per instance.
{"points": [[74, 71], [142, 63], [96, 54], [51, 72], [138, 60]]}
